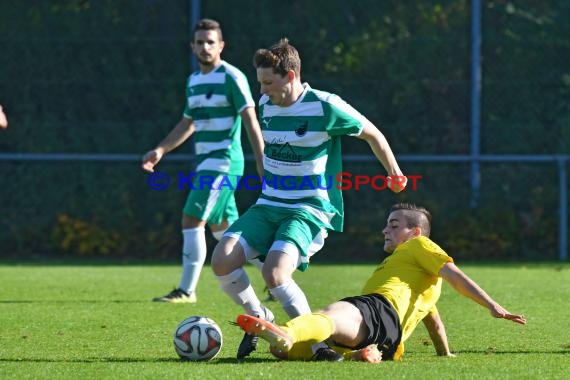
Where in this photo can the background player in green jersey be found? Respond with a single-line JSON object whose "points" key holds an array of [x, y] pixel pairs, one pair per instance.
{"points": [[218, 99], [301, 129], [400, 293]]}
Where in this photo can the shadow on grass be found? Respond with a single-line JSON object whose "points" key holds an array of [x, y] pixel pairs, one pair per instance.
{"points": [[562, 351], [74, 301], [133, 360]]}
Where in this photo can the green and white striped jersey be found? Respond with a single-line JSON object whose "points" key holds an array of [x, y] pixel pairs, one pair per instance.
{"points": [[302, 155], [215, 101]]}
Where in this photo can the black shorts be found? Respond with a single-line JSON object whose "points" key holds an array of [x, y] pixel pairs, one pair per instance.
{"points": [[382, 321]]}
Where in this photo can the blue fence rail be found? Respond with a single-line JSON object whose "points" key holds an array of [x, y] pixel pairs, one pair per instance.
{"points": [[559, 160]]}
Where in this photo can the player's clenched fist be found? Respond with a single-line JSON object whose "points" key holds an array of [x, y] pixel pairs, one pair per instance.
{"points": [[150, 159]]}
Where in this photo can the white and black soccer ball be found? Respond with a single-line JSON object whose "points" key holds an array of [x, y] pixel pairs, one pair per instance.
{"points": [[197, 338]]}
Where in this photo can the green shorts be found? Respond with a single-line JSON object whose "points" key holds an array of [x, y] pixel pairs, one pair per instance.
{"points": [[262, 225], [212, 197]]}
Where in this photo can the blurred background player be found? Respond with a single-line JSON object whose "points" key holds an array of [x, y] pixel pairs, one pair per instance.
{"points": [[218, 99], [401, 292], [302, 129]]}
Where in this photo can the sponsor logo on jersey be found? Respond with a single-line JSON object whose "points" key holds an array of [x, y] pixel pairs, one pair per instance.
{"points": [[285, 153], [302, 130]]}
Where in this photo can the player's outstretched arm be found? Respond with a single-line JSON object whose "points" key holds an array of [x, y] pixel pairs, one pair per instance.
{"points": [[253, 130], [180, 133], [436, 330], [384, 154], [469, 288]]}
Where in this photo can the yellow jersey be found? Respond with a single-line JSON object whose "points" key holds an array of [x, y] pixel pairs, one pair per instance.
{"points": [[409, 279]]}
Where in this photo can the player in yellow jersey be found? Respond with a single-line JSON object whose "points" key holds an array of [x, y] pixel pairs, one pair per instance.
{"points": [[401, 292]]}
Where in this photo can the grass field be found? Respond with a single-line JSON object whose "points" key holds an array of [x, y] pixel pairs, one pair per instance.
{"points": [[97, 322]]}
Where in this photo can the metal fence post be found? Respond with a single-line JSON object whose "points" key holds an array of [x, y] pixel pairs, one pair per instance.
{"points": [[563, 210], [195, 9]]}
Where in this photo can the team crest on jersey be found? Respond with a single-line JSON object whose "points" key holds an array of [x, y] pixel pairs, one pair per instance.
{"points": [[285, 152], [302, 130], [209, 93]]}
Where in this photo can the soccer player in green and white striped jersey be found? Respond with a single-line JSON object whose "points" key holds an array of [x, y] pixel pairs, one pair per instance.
{"points": [[218, 100], [301, 129]]}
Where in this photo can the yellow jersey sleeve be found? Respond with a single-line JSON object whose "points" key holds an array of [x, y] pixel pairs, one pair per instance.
{"points": [[427, 254]]}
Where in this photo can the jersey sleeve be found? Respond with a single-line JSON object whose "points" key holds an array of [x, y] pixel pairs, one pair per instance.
{"points": [[240, 92], [187, 111], [429, 255], [433, 311], [345, 120]]}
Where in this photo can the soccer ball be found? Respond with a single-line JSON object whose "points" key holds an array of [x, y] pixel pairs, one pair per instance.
{"points": [[197, 338]]}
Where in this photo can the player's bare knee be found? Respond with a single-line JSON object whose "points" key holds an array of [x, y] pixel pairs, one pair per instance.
{"points": [[189, 221], [275, 275], [227, 256]]}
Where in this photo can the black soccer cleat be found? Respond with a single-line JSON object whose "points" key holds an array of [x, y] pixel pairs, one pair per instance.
{"points": [[326, 354], [247, 345], [177, 296], [249, 342]]}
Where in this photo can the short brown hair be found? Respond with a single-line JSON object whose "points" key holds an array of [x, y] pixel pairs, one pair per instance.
{"points": [[415, 216], [208, 24], [281, 57]]}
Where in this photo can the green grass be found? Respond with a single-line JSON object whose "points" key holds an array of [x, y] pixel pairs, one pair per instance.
{"points": [[97, 322]]}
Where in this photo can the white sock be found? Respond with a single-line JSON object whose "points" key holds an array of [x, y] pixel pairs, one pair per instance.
{"points": [[238, 287], [292, 299], [218, 234], [193, 256]]}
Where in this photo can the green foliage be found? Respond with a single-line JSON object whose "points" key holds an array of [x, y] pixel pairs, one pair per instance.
{"points": [[97, 321], [526, 99], [78, 236]]}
